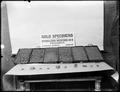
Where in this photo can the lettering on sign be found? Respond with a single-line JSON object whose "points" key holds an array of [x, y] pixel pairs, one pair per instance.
{"points": [[57, 40]]}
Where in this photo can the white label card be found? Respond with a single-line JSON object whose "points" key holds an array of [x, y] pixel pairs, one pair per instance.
{"points": [[57, 40]]}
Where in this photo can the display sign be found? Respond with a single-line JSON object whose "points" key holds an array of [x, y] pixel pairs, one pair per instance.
{"points": [[57, 40]]}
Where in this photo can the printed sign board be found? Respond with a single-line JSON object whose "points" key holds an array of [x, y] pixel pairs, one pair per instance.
{"points": [[57, 40]]}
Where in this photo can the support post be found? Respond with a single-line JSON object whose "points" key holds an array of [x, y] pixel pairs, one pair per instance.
{"points": [[98, 85]]}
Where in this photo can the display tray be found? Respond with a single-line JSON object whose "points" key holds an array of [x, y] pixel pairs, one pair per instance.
{"points": [[59, 55], [37, 56], [58, 68], [65, 55], [93, 53], [40, 61], [51, 55], [79, 54], [23, 56]]}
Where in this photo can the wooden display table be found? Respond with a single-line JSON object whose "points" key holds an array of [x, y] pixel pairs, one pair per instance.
{"points": [[25, 85], [68, 61]]}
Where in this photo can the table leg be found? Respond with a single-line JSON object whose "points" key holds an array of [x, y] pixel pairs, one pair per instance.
{"points": [[97, 85], [22, 87], [14, 81], [27, 86]]}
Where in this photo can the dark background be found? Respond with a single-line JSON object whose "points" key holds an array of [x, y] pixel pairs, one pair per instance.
{"points": [[111, 33]]}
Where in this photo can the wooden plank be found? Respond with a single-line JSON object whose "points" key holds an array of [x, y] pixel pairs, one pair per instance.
{"points": [[51, 55], [23, 56], [65, 80], [79, 54], [65, 55], [37, 56], [93, 53]]}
